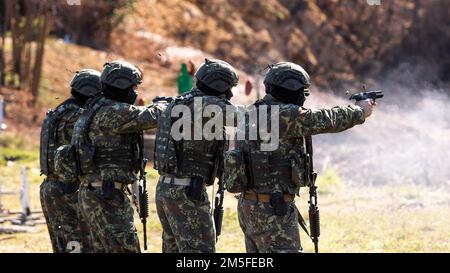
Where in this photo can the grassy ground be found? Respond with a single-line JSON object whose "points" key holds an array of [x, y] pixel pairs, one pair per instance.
{"points": [[370, 219]]}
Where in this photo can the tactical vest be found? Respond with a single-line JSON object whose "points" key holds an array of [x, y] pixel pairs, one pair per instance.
{"points": [[281, 170], [185, 158], [92, 157], [49, 136]]}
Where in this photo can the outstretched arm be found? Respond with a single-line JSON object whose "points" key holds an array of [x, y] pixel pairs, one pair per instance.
{"points": [[331, 120], [124, 118]]}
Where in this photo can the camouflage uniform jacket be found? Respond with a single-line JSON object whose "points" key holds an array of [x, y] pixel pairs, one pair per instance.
{"points": [[273, 171], [113, 132]]}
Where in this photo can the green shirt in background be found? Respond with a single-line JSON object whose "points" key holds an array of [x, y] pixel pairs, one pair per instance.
{"points": [[184, 80]]}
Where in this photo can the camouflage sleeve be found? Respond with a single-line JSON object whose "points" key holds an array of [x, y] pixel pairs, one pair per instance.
{"points": [[331, 120], [123, 118]]}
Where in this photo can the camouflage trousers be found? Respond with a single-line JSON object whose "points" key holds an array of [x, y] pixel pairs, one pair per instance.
{"points": [[266, 232], [187, 224], [110, 221], [67, 229]]}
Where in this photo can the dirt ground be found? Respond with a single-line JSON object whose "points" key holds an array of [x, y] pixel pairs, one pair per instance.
{"points": [[371, 219]]}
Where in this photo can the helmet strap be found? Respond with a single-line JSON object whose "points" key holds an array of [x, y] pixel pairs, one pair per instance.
{"points": [[212, 92], [120, 95], [80, 99], [287, 96]]}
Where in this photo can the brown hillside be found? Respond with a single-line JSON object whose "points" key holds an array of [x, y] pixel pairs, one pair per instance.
{"points": [[60, 62], [339, 42]]}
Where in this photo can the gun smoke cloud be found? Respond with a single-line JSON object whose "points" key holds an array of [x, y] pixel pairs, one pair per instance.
{"points": [[407, 139]]}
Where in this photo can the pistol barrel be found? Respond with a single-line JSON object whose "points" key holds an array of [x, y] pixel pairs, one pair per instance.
{"points": [[367, 95]]}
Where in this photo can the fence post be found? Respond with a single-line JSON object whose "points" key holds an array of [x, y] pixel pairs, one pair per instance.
{"points": [[2, 115], [25, 195]]}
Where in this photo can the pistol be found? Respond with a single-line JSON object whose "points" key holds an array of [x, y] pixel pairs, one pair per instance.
{"points": [[367, 95]]}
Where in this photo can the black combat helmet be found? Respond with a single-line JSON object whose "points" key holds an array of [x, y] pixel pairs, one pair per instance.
{"points": [[86, 82], [287, 82], [119, 80], [217, 75], [121, 75]]}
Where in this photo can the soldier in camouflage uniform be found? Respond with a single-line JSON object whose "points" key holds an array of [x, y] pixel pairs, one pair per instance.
{"points": [[187, 166], [58, 192], [269, 180], [107, 143]]}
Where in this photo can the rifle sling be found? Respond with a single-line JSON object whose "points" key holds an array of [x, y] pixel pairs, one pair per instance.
{"points": [[302, 223]]}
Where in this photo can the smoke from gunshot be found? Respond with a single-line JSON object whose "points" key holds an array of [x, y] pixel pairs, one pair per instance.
{"points": [[406, 140]]}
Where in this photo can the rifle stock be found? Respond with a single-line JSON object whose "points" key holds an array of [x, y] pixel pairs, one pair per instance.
{"points": [[143, 200], [313, 210]]}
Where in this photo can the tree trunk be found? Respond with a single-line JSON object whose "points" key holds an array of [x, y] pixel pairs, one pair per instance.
{"points": [[3, 22], [16, 33], [37, 68], [26, 62]]}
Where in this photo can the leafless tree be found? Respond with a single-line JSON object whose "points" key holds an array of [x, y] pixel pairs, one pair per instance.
{"points": [[27, 23]]}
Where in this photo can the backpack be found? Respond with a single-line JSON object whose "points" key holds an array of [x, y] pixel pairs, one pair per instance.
{"points": [[49, 138]]}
